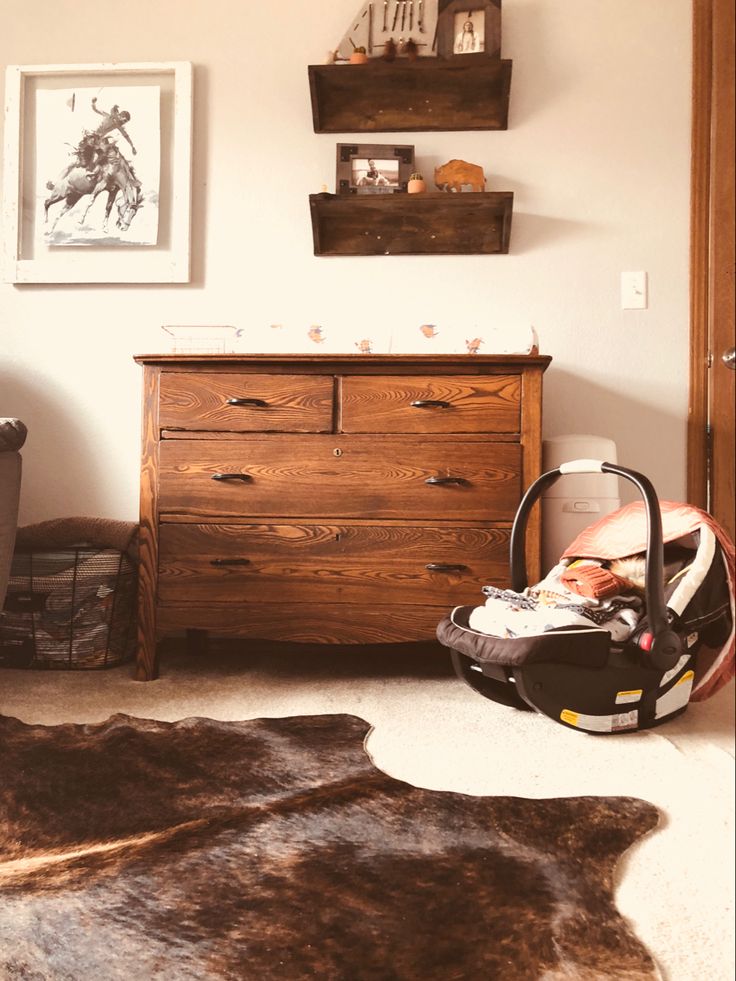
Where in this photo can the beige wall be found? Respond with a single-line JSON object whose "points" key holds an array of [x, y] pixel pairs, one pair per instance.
{"points": [[597, 154]]}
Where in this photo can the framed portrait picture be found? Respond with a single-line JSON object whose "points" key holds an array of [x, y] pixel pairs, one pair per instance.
{"points": [[97, 176], [469, 27], [469, 32], [373, 168]]}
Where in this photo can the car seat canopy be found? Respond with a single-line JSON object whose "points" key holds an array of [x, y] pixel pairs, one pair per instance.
{"points": [[705, 587]]}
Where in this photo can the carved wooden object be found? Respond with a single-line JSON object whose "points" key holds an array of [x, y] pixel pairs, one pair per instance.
{"points": [[457, 174]]}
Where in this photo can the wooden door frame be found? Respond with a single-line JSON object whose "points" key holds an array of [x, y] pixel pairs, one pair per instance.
{"points": [[700, 162], [708, 223]]}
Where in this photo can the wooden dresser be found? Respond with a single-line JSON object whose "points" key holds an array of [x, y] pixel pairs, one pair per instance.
{"points": [[329, 499]]}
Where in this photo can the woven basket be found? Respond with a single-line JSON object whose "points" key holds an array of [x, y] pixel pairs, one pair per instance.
{"points": [[71, 608]]}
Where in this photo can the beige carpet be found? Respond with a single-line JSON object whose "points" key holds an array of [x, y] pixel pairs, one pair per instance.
{"points": [[676, 887]]}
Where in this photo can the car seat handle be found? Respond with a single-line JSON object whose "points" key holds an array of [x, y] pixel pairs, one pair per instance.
{"points": [[667, 644], [582, 466]]}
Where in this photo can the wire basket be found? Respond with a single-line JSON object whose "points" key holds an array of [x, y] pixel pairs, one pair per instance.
{"points": [[202, 339], [70, 608]]}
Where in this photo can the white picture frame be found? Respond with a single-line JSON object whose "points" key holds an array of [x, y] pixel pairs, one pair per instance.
{"points": [[166, 259]]}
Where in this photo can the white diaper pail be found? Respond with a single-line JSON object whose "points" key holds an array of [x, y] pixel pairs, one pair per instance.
{"points": [[575, 500]]}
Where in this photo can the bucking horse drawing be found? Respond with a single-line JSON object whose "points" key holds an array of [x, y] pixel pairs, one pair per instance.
{"points": [[112, 174]]}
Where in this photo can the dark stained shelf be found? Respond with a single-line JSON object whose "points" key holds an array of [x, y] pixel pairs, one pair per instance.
{"points": [[433, 223], [467, 92]]}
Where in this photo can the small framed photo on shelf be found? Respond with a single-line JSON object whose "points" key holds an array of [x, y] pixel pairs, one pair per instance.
{"points": [[373, 168], [469, 28], [469, 35]]}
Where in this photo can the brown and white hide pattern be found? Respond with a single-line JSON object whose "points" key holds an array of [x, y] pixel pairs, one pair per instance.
{"points": [[275, 849]]}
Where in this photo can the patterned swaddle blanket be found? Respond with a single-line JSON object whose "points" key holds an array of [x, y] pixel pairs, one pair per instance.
{"points": [[550, 605]]}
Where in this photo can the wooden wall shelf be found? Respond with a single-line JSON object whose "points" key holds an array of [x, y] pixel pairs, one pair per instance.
{"points": [[434, 223], [466, 92]]}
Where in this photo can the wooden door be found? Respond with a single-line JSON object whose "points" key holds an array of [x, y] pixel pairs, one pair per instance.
{"points": [[722, 373], [711, 435]]}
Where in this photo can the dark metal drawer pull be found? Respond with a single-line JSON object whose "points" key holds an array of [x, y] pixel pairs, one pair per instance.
{"points": [[244, 477], [230, 562], [431, 404], [446, 480], [243, 401], [444, 567]]}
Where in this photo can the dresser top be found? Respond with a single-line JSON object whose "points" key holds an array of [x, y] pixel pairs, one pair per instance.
{"points": [[350, 362]]}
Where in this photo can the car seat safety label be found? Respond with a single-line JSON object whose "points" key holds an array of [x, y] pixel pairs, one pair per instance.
{"points": [[677, 697], [601, 723], [623, 697], [669, 675]]}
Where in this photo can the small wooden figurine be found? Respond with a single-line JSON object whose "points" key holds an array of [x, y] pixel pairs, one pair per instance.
{"points": [[453, 175], [411, 49]]}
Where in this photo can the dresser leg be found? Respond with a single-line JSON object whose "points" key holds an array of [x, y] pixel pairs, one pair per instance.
{"points": [[146, 662], [197, 642]]}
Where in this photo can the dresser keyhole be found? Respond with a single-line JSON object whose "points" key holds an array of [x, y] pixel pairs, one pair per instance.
{"points": [[337, 452]]}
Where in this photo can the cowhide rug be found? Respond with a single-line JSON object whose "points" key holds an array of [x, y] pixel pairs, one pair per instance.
{"points": [[275, 849]]}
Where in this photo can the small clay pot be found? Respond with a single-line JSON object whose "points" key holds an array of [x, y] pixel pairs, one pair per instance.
{"points": [[416, 185], [358, 58]]}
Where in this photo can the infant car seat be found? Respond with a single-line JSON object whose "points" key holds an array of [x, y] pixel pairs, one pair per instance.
{"points": [[627, 656]]}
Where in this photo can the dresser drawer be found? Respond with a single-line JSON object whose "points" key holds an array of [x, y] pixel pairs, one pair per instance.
{"points": [[308, 623], [329, 563], [431, 404], [243, 402], [341, 477]]}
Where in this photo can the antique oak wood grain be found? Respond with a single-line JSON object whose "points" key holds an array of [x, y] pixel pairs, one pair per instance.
{"points": [[146, 659], [461, 93], [262, 403], [342, 476], [312, 532], [305, 623], [471, 404], [531, 441], [432, 223], [193, 436], [347, 364], [270, 563]]}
